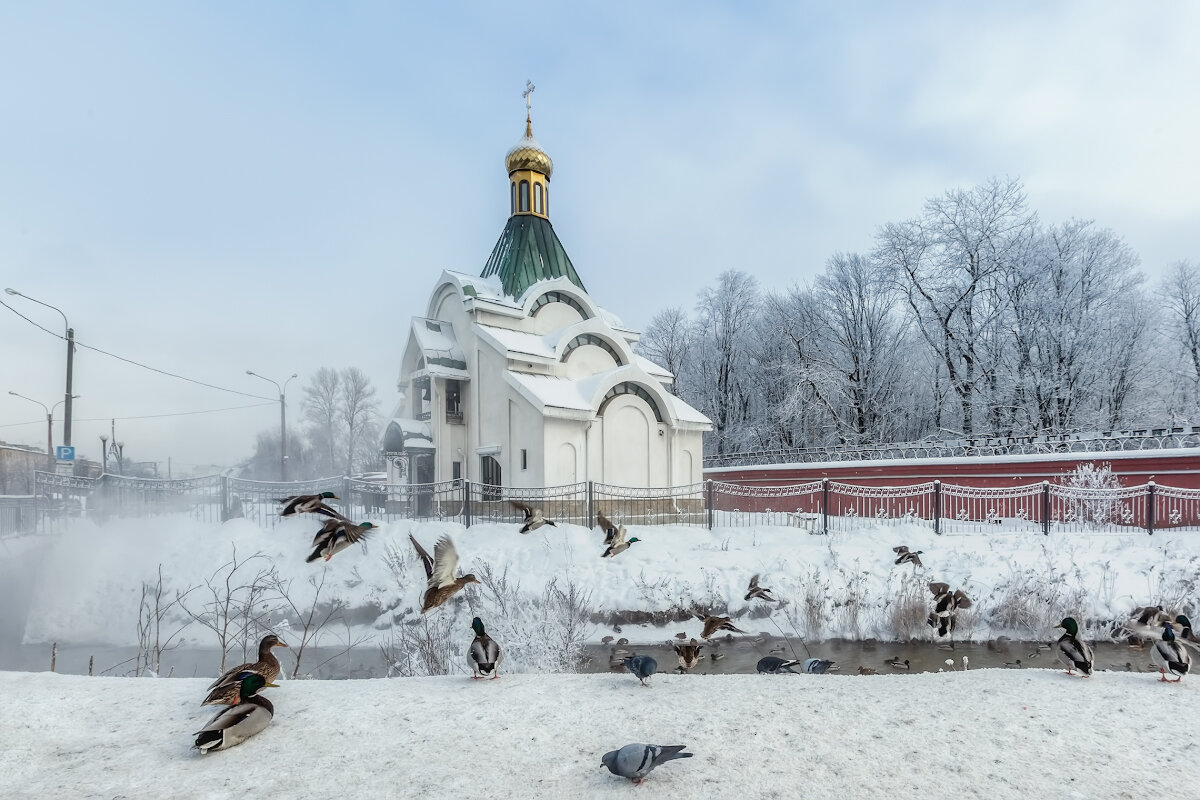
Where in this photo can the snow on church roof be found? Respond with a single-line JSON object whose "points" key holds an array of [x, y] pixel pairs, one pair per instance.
{"points": [[439, 347], [518, 341], [553, 392], [650, 367]]}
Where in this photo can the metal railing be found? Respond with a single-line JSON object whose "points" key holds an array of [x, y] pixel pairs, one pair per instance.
{"points": [[817, 506], [1046, 444], [18, 513]]}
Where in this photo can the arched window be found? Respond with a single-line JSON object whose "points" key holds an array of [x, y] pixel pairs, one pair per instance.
{"points": [[547, 200], [558, 297], [537, 199], [631, 388], [524, 195], [512, 206], [596, 341]]}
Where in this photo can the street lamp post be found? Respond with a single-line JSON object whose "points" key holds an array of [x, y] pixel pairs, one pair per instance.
{"points": [[282, 421], [104, 453], [70, 337], [49, 419]]}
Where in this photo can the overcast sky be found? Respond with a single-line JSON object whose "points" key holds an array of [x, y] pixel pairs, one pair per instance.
{"points": [[208, 188]]}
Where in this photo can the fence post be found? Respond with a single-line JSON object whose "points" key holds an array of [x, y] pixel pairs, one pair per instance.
{"points": [[1150, 508], [347, 492], [1045, 508], [825, 506], [224, 497], [708, 492], [937, 508], [466, 485], [591, 512]]}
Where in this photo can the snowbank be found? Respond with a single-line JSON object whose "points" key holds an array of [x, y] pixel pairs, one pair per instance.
{"points": [[89, 584], [983, 734]]}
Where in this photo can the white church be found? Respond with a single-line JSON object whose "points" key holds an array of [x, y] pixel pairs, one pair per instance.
{"points": [[515, 377]]}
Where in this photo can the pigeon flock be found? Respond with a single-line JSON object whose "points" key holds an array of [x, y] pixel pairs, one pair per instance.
{"points": [[246, 713]]}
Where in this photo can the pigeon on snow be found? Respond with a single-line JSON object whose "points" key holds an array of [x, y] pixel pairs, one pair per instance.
{"points": [[635, 761]]}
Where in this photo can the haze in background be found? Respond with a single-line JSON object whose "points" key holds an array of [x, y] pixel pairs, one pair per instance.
{"points": [[210, 189]]}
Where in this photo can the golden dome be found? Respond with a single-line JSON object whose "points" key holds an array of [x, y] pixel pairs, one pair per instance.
{"points": [[528, 154]]}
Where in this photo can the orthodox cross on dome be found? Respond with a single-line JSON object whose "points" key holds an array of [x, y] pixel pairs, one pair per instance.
{"points": [[529, 87]]}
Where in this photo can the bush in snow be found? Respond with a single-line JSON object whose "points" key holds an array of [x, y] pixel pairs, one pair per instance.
{"points": [[1088, 496]]}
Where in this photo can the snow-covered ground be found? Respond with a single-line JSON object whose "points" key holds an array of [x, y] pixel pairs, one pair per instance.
{"points": [[88, 581], [982, 734]]}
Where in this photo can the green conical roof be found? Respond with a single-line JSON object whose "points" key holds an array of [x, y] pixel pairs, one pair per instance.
{"points": [[528, 251]]}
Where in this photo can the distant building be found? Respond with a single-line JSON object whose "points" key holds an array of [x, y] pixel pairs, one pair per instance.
{"points": [[17, 465], [516, 377]]}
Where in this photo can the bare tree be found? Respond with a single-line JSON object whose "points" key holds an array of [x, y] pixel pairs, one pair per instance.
{"points": [[862, 341], [358, 413], [667, 341], [1180, 293], [948, 263], [726, 313], [235, 611], [153, 610], [322, 409], [310, 622]]}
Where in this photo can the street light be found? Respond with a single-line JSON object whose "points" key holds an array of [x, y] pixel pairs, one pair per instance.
{"points": [[49, 419], [104, 453], [282, 421], [70, 361]]}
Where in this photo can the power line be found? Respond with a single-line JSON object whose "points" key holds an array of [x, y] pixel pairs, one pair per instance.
{"points": [[150, 416], [131, 361]]}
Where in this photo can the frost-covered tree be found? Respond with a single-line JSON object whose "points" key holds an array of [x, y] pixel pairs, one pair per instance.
{"points": [[322, 412], [725, 320], [949, 263], [667, 341], [359, 416], [1179, 291]]}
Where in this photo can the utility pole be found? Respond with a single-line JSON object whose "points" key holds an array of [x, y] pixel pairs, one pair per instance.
{"points": [[70, 337], [282, 421]]}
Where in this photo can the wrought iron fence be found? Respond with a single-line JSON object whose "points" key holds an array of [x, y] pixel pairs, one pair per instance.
{"points": [[18, 513], [816, 506], [800, 506], [569, 503], [848, 504], [976, 509], [258, 501], [1149, 438], [677, 505]]}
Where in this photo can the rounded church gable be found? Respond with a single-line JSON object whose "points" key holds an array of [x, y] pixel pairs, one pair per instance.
{"points": [[593, 340], [632, 389], [540, 303]]}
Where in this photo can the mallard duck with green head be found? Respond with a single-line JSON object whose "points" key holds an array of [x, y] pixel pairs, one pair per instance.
{"points": [[335, 536], [226, 690], [484, 654], [234, 725], [614, 537], [1186, 634], [440, 584], [755, 591], [1171, 656], [1073, 652], [308, 504]]}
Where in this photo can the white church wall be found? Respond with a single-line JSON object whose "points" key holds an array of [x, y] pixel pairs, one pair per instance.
{"points": [[525, 436], [565, 448], [553, 317], [587, 360], [628, 427], [489, 410]]}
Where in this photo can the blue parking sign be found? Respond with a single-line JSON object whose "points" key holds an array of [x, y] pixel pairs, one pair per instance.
{"points": [[64, 453]]}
